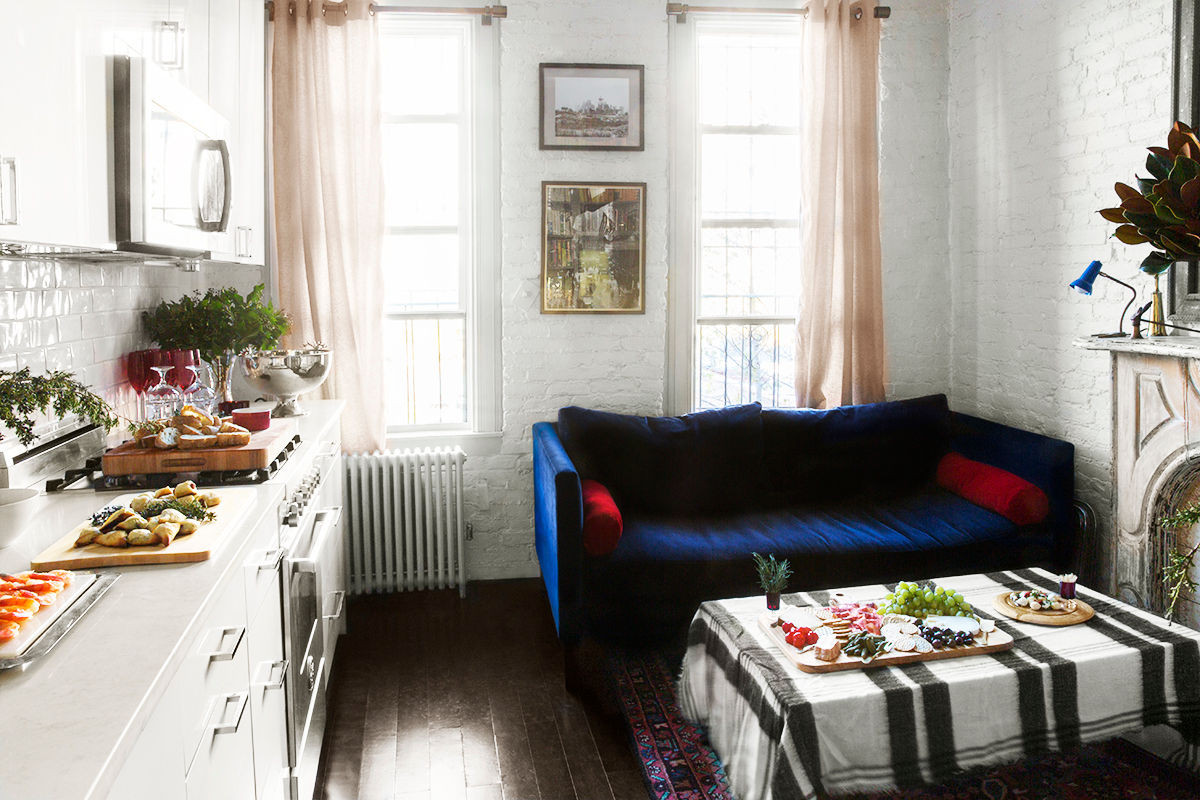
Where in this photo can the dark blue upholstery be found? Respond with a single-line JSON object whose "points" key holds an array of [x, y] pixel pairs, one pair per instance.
{"points": [[706, 462], [845, 494]]}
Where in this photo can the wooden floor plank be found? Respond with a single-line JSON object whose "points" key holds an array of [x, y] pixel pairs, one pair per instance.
{"points": [[440, 698]]}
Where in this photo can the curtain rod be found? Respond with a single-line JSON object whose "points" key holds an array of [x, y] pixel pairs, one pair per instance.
{"points": [[485, 13], [680, 11]]}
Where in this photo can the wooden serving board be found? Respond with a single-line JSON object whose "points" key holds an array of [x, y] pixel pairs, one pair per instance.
{"points": [[1082, 613], [199, 546], [129, 459], [807, 661]]}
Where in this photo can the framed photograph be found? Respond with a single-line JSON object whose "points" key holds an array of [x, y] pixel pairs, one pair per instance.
{"points": [[592, 107], [593, 248]]}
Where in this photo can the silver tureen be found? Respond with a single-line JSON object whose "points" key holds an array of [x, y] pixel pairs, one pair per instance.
{"points": [[286, 374]]}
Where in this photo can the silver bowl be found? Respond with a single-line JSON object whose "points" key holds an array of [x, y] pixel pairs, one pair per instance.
{"points": [[286, 374]]}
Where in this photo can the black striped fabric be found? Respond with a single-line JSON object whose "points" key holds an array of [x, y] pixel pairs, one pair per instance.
{"points": [[902, 727]]}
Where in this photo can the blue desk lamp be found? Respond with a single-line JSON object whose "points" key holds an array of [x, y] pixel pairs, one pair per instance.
{"points": [[1084, 284]]}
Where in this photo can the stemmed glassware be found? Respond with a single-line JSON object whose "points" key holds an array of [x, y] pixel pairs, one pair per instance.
{"points": [[181, 376], [198, 392], [137, 371], [162, 399]]}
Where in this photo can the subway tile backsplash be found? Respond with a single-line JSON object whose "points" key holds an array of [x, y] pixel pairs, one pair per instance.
{"points": [[83, 318]]}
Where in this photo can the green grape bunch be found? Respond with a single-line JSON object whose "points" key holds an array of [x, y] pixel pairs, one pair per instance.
{"points": [[923, 601]]}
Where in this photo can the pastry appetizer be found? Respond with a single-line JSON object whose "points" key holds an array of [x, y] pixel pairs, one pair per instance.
{"points": [[151, 518]]}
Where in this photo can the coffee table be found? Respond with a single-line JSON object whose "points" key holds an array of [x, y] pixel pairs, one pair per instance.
{"points": [[784, 734]]}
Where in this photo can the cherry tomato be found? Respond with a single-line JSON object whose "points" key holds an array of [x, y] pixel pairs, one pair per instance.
{"points": [[811, 638]]}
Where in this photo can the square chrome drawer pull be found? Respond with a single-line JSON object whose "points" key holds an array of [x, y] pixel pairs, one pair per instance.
{"points": [[271, 562], [339, 598], [229, 653], [274, 668], [221, 726]]}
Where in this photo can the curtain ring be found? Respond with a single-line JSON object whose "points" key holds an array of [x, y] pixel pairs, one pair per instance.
{"points": [[858, 13]]}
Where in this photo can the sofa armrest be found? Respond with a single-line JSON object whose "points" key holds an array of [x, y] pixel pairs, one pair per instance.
{"points": [[1044, 461], [558, 529]]}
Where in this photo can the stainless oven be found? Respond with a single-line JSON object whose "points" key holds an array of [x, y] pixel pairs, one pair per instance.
{"points": [[309, 532]]}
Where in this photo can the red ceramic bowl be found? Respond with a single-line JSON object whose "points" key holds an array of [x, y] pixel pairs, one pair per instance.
{"points": [[252, 419]]}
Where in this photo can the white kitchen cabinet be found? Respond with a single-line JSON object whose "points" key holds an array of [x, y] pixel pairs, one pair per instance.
{"points": [[155, 767], [268, 673], [65, 191]]}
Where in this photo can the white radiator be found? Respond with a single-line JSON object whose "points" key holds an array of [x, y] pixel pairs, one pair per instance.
{"points": [[405, 518]]}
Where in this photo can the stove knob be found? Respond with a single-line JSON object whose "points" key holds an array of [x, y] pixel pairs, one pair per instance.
{"points": [[291, 517]]}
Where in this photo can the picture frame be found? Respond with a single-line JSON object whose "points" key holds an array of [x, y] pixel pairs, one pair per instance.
{"points": [[593, 247], [592, 107]]}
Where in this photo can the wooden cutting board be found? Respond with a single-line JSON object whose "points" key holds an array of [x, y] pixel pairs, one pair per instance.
{"points": [[1082, 613], [198, 547], [808, 662], [129, 459]]}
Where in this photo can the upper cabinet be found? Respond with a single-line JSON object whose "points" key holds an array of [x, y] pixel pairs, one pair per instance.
{"points": [[196, 148]]}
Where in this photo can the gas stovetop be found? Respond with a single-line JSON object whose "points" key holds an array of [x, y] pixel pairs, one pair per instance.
{"points": [[96, 479]]}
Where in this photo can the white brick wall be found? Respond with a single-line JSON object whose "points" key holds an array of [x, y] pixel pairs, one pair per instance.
{"points": [[1049, 104], [619, 362], [84, 317]]}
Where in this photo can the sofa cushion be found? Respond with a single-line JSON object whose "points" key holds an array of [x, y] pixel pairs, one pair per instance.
{"points": [[702, 463], [877, 450], [602, 523], [664, 567], [995, 489]]}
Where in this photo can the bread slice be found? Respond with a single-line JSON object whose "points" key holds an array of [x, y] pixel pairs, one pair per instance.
{"points": [[233, 438], [167, 438], [196, 441]]}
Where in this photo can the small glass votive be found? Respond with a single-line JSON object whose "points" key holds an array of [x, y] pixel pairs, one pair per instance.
{"points": [[1066, 586]]}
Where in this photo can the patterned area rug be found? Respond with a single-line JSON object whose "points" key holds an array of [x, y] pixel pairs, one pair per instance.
{"points": [[678, 763]]}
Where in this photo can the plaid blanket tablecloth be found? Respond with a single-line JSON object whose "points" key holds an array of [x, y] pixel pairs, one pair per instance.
{"points": [[785, 734]]}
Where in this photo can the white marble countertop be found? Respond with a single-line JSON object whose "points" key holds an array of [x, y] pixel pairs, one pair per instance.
{"points": [[1181, 346], [70, 718]]}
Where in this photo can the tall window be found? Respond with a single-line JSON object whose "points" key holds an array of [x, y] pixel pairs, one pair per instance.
{"points": [[744, 226], [435, 253]]}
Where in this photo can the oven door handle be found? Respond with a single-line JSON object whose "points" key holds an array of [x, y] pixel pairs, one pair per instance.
{"points": [[326, 522]]}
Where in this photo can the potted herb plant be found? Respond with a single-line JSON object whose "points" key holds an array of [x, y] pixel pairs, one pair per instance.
{"points": [[772, 577], [220, 324], [23, 394]]}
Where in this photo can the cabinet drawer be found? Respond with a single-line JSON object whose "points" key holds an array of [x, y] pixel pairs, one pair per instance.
{"points": [[223, 768], [216, 665], [261, 563], [268, 699]]}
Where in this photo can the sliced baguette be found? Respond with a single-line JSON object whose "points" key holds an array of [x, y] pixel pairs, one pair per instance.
{"points": [[196, 441]]}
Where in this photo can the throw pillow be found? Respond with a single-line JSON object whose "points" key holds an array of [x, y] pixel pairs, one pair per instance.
{"points": [[602, 524], [995, 489]]}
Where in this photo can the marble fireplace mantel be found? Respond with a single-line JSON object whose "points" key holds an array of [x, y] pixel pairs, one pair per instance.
{"points": [[1155, 459]]}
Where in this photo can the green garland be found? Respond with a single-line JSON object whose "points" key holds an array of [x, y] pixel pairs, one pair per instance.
{"points": [[23, 394], [1177, 574]]}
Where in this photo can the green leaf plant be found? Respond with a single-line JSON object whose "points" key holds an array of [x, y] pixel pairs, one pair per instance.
{"points": [[772, 575], [1164, 210], [23, 394], [215, 322]]}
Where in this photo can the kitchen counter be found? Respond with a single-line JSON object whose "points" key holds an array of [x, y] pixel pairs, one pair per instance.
{"points": [[70, 718]]}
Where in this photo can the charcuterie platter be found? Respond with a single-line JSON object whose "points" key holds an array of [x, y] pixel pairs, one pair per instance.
{"points": [[910, 625]]}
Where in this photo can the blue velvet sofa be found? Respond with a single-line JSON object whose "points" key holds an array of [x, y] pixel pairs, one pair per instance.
{"points": [[847, 495]]}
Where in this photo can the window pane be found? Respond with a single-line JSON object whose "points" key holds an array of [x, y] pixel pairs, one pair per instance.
{"points": [[750, 176], [421, 272], [425, 372], [744, 363], [436, 58], [749, 271], [749, 79], [421, 174]]}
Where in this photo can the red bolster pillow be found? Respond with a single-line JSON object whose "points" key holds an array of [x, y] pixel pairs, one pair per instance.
{"points": [[602, 524], [993, 488]]}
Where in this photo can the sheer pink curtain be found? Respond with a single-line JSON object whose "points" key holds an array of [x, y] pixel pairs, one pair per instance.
{"points": [[328, 198], [839, 333]]}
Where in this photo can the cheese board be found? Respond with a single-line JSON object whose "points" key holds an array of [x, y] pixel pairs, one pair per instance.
{"points": [[199, 546], [805, 659], [264, 446], [45, 629], [1080, 612]]}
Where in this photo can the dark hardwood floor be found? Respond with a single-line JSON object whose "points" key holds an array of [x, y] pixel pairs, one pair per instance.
{"points": [[437, 698]]}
